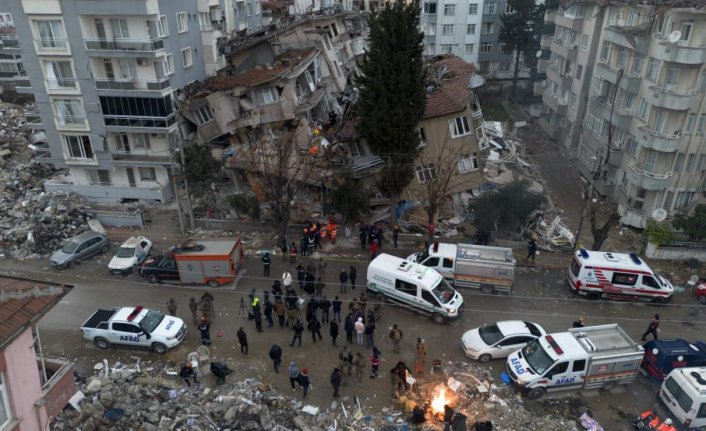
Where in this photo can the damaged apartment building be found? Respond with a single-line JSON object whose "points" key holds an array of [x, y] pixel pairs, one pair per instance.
{"points": [[285, 87]]}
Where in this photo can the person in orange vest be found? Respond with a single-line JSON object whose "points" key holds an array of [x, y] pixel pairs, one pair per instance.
{"points": [[666, 426], [332, 230], [324, 232], [648, 418]]}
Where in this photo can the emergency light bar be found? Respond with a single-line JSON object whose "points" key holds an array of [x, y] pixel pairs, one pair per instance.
{"points": [[554, 345], [135, 313], [583, 253]]}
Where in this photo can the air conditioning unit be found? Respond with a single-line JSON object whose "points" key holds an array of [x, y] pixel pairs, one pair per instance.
{"points": [[142, 62]]}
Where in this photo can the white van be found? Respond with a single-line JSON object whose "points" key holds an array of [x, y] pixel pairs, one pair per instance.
{"points": [[598, 274], [683, 392], [414, 286]]}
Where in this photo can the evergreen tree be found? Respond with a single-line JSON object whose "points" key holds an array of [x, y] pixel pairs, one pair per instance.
{"points": [[520, 32], [392, 93]]}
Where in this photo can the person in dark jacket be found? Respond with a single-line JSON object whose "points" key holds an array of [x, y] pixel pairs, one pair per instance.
{"points": [[395, 234], [281, 312], [284, 248], [293, 374], [448, 417], [205, 330], [333, 331], [298, 329], [301, 273], [277, 290], [315, 328], [343, 278], [652, 328], [309, 284], [399, 376], [336, 381], [337, 303], [325, 306], [276, 356], [187, 371], [303, 379], [243, 340], [266, 261], [370, 334], [349, 327], [352, 275], [258, 318], [268, 312]]}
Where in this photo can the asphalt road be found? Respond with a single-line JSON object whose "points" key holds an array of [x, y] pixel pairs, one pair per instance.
{"points": [[540, 296]]}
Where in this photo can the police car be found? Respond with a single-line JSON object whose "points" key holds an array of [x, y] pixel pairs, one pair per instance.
{"points": [[134, 326]]}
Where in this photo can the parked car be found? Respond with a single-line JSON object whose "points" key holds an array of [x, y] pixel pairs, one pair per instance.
{"points": [[662, 356], [500, 339], [79, 248], [130, 255]]}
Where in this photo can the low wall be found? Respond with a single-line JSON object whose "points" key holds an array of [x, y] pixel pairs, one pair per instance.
{"points": [[121, 219], [675, 253]]}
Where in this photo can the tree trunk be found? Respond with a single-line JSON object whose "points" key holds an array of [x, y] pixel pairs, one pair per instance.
{"points": [[517, 71], [394, 200], [431, 212], [600, 234]]}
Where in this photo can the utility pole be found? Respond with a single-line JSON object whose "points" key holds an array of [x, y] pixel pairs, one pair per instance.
{"points": [[173, 178], [189, 208]]}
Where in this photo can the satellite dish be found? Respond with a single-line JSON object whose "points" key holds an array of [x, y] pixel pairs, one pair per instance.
{"points": [[659, 214], [538, 54], [674, 36]]}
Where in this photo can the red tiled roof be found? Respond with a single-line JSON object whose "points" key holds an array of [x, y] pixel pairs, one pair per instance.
{"points": [[254, 77], [451, 93], [23, 302]]}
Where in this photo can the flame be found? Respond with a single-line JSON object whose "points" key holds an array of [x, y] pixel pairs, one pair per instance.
{"points": [[439, 400]]}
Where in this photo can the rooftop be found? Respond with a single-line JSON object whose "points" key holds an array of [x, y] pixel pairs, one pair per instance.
{"points": [[23, 302], [448, 85]]}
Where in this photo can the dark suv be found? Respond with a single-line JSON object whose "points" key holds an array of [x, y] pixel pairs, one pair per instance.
{"points": [[662, 356]]}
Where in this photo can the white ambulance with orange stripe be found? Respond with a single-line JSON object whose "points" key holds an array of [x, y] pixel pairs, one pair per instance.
{"points": [[598, 274], [594, 357]]}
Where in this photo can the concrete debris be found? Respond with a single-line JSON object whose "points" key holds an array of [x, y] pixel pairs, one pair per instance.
{"points": [[551, 236], [32, 222], [144, 400]]}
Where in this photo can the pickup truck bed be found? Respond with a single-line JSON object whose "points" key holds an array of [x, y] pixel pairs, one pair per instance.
{"points": [[98, 317]]}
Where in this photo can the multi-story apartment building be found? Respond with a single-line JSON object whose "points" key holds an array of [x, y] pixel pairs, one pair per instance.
{"points": [[10, 58], [468, 30], [643, 72], [103, 75]]}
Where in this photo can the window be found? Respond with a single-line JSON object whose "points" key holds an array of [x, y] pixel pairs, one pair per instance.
{"points": [[79, 146], [584, 42], [248, 9], [689, 124], [59, 74], [459, 127], [430, 298], [449, 9], [487, 28], [679, 162], [163, 26], [468, 163], [446, 48], [203, 114], [572, 101], [680, 395], [425, 173], [473, 9], [605, 51], [486, 47], [660, 120], [69, 112], [119, 28], [653, 69], [579, 365], [644, 109], [558, 369], [128, 68], [637, 64], [471, 29], [701, 123], [509, 9], [258, 11], [683, 199], [650, 161], [447, 29], [690, 163], [265, 96], [148, 174], [182, 25], [672, 76], [629, 100], [430, 8], [422, 137], [504, 66], [141, 141], [624, 278], [622, 57], [5, 413], [469, 49], [489, 8], [186, 60], [447, 263], [484, 66], [702, 163], [51, 34], [98, 177], [579, 71], [168, 64], [686, 30]]}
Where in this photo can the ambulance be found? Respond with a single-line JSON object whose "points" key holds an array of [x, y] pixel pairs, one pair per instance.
{"points": [[684, 394], [598, 274]]}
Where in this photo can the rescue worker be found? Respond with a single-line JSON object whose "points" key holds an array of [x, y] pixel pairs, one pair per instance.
{"points": [[666, 426], [266, 260], [332, 230], [187, 370], [205, 330]]}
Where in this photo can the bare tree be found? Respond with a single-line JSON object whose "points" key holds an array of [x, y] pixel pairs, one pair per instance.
{"points": [[278, 170], [600, 233]]}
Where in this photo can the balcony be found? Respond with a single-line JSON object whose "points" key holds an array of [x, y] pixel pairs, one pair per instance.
{"points": [[550, 16], [62, 86], [680, 53], [565, 49], [621, 119], [564, 81], [23, 85], [129, 124], [154, 191], [117, 7], [34, 121], [672, 99], [110, 87], [124, 47], [649, 180], [58, 385], [55, 46], [572, 23], [546, 41], [145, 158], [660, 141], [9, 42], [71, 122], [628, 82]]}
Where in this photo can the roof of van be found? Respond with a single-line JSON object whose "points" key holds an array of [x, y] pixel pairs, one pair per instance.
{"points": [[404, 269], [614, 260], [695, 376]]}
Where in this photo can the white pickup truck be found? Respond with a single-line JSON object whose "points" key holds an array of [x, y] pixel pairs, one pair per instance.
{"points": [[134, 326]]}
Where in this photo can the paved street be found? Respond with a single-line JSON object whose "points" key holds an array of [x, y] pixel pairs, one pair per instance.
{"points": [[540, 295]]}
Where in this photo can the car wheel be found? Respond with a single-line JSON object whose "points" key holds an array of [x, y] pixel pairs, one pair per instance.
{"points": [[535, 393], [658, 300], [70, 264], [484, 358], [437, 318], [153, 279], [487, 288], [609, 386], [159, 348], [102, 343], [593, 295], [105, 248], [213, 283], [702, 299]]}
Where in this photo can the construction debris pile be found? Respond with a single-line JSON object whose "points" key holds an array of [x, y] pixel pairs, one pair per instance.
{"points": [[152, 398], [32, 222]]}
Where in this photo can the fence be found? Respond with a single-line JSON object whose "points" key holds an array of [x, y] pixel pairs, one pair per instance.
{"points": [[679, 250]]}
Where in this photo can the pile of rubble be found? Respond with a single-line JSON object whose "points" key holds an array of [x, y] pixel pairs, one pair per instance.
{"points": [[153, 398], [32, 222]]}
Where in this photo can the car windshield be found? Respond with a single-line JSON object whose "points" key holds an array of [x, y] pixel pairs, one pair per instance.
{"points": [[443, 292], [70, 247], [537, 359], [125, 252], [490, 334], [151, 320]]}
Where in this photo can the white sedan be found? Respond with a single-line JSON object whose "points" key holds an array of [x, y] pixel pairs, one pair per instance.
{"points": [[499, 339], [130, 255]]}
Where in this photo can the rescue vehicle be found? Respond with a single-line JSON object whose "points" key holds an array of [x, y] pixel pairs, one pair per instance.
{"points": [[608, 275], [593, 357], [684, 394]]}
